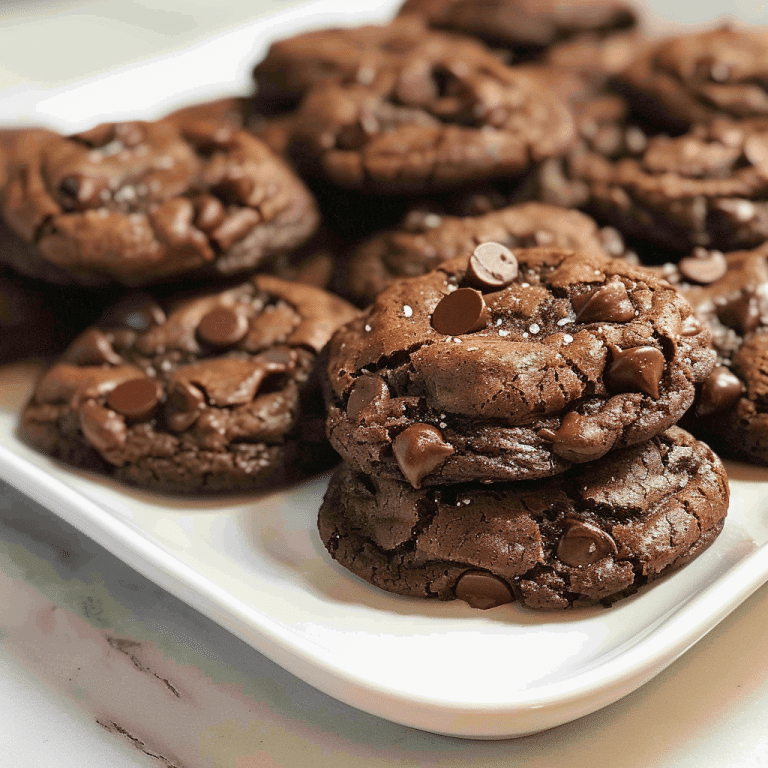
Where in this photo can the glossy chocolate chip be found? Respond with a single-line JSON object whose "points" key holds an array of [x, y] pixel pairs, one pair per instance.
{"points": [[491, 266], [720, 391], [366, 391], [703, 267], [609, 304], [483, 590], [183, 407], [578, 438], [584, 544], [740, 312], [638, 369], [136, 399], [419, 450], [462, 311], [222, 326]]}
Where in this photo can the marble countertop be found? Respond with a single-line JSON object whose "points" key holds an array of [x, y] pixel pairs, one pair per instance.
{"points": [[101, 667]]}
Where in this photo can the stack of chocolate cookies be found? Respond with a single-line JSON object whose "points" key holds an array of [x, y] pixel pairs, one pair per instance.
{"points": [[508, 427]]}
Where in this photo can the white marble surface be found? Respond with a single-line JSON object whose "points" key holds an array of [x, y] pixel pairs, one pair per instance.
{"points": [[99, 667]]}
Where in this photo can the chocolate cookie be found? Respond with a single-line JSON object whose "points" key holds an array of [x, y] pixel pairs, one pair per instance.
{"points": [[526, 27], [699, 76], [218, 394], [235, 113], [594, 534], [705, 188], [729, 292], [499, 368], [426, 239], [294, 65], [137, 203], [436, 121]]}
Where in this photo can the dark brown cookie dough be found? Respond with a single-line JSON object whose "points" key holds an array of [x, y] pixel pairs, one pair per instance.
{"points": [[294, 65], [217, 394], [426, 239], [436, 121], [456, 375], [699, 76], [705, 188], [595, 534], [137, 203], [729, 293], [526, 27]]}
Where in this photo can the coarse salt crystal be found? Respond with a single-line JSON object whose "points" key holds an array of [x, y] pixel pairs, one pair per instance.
{"points": [[407, 311], [567, 339], [534, 328], [503, 333]]}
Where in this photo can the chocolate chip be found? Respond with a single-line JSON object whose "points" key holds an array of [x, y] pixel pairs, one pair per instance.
{"points": [[366, 391], [462, 311], [183, 406], [741, 312], [483, 590], [703, 268], [578, 438], [638, 369], [609, 304], [584, 544], [419, 450], [720, 391], [222, 326], [136, 398], [491, 266]]}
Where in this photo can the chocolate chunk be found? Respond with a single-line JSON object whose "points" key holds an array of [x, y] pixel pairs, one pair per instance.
{"points": [[183, 407], [419, 450], [365, 392], [136, 399], [638, 369], [222, 327], [483, 590], [492, 266], [703, 268], [462, 311], [609, 304], [719, 392], [584, 543]]}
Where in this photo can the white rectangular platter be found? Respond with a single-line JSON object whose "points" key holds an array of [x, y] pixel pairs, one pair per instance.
{"points": [[256, 565]]}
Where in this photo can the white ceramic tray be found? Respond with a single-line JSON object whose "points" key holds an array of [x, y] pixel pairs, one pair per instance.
{"points": [[257, 567]]}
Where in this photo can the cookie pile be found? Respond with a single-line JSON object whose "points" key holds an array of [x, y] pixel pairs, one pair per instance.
{"points": [[467, 193], [507, 423]]}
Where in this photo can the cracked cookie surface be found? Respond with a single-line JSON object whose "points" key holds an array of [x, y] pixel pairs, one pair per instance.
{"points": [[434, 122], [699, 76], [455, 376], [139, 202], [593, 534], [218, 393], [426, 239]]}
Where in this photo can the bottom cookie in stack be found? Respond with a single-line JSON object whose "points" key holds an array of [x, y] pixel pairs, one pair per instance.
{"points": [[593, 534]]}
